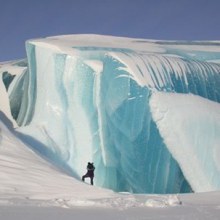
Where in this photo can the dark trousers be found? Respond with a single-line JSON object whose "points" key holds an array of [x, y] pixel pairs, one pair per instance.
{"points": [[87, 175]]}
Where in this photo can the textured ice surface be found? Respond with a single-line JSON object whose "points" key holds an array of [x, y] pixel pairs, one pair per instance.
{"points": [[104, 99]]}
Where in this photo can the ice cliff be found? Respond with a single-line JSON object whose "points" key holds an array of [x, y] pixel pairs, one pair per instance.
{"points": [[146, 112]]}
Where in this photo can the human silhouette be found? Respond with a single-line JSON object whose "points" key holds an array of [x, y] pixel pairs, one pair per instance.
{"points": [[90, 172]]}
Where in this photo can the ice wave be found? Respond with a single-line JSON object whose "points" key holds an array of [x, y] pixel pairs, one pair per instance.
{"points": [[89, 100]]}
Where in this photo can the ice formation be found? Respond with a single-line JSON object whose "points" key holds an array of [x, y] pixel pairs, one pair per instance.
{"points": [[147, 113]]}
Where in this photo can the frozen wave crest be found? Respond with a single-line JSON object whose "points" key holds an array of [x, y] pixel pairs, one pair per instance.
{"points": [[88, 99]]}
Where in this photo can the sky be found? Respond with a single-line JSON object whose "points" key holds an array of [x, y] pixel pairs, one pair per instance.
{"points": [[21, 20]]}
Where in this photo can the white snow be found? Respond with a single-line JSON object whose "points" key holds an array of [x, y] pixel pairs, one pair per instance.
{"points": [[33, 188], [11, 68], [190, 126], [25, 175]]}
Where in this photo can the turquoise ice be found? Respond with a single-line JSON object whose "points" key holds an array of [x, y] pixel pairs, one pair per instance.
{"points": [[121, 103]]}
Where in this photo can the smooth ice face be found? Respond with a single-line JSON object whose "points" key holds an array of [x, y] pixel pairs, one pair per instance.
{"points": [[94, 98], [190, 127]]}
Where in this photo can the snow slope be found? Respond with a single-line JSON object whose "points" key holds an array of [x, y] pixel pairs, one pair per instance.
{"points": [[25, 175], [32, 188]]}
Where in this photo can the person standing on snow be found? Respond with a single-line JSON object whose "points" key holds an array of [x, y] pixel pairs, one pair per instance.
{"points": [[90, 172]]}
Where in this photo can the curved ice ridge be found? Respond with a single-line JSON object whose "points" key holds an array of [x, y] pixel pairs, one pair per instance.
{"points": [[91, 103]]}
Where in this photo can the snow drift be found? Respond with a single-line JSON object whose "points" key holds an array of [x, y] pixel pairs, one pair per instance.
{"points": [[145, 112]]}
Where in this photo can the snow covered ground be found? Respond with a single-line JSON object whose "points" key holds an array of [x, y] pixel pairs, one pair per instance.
{"points": [[32, 188]]}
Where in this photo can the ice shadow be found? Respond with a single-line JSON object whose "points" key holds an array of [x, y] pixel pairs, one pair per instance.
{"points": [[39, 148], [43, 151], [8, 124]]}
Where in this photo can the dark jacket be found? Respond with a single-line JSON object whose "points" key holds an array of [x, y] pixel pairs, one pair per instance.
{"points": [[90, 169]]}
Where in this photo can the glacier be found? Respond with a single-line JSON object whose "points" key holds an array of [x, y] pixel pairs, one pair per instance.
{"points": [[146, 112]]}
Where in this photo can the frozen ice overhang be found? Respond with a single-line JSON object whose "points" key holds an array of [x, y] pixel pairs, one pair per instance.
{"points": [[89, 98]]}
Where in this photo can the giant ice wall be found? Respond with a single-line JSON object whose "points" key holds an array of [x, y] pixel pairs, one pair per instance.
{"points": [[145, 112]]}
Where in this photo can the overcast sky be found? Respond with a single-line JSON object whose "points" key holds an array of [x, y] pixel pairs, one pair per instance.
{"points": [[150, 19]]}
